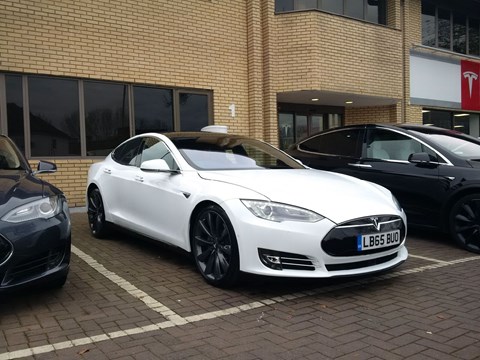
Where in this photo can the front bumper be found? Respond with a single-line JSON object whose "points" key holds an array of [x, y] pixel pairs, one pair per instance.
{"points": [[299, 245], [38, 251]]}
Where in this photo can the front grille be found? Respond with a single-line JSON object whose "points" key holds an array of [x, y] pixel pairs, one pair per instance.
{"points": [[361, 264], [342, 240], [34, 266], [6, 249], [279, 260]]}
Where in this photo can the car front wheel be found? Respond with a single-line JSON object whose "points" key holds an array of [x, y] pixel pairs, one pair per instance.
{"points": [[214, 247], [465, 222], [96, 214]]}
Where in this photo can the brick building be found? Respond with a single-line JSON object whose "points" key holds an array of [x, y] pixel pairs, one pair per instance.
{"points": [[79, 77]]}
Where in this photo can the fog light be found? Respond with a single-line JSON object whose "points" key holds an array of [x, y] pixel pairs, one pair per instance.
{"points": [[270, 259], [273, 259]]}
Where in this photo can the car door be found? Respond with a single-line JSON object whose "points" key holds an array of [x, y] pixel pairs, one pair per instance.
{"points": [[416, 185], [161, 202], [333, 151], [115, 180]]}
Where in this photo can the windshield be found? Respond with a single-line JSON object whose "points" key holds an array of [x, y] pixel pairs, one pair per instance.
{"points": [[232, 153], [9, 158], [464, 147]]}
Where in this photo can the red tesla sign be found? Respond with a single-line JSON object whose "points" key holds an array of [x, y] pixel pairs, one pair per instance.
{"points": [[470, 85]]}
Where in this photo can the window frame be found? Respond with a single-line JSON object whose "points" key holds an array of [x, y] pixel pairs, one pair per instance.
{"points": [[381, 15], [81, 103], [373, 131], [296, 110], [453, 11], [358, 146]]}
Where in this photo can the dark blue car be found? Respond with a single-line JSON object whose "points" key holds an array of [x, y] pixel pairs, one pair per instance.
{"points": [[35, 228]]}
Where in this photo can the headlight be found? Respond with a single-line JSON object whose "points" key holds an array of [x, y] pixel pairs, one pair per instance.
{"points": [[41, 209], [280, 212]]}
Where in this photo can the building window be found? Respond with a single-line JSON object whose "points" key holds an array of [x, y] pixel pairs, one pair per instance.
{"points": [[428, 24], [153, 109], [15, 123], [54, 117], [474, 37], [444, 29], [106, 116], [460, 33], [334, 6], [468, 123], [193, 111], [295, 126], [50, 116], [354, 8], [370, 10], [451, 29]]}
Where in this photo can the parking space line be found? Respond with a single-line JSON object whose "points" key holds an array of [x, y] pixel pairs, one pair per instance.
{"points": [[427, 258], [84, 341], [452, 262], [178, 320], [130, 288]]}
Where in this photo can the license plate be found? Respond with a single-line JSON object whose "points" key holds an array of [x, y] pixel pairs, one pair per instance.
{"points": [[378, 240]]}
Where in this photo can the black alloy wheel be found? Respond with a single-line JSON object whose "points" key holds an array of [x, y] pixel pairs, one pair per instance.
{"points": [[214, 247], [465, 222], [96, 214]]}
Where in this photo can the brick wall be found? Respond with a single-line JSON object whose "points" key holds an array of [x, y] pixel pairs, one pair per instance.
{"points": [[412, 35], [197, 44], [377, 114], [240, 50], [71, 177], [316, 50]]}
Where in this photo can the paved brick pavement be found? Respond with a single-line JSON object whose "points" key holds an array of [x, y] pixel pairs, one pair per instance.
{"points": [[127, 298]]}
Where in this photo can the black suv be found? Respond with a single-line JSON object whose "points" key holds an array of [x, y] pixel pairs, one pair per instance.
{"points": [[433, 172]]}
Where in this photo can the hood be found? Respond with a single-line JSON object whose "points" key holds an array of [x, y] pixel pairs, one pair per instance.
{"points": [[335, 196], [20, 187]]}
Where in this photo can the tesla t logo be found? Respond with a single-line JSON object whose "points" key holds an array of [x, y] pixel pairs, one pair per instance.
{"points": [[375, 223], [470, 71], [470, 76]]}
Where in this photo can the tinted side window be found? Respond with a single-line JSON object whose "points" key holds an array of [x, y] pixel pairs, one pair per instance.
{"points": [[387, 144], [342, 142], [126, 153], [153, 148]]}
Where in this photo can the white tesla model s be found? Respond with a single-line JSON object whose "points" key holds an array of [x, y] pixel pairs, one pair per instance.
{"points": [[241, 205]]}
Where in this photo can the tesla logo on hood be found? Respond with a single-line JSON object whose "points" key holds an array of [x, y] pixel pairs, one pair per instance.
{"points": [[375, 223]]}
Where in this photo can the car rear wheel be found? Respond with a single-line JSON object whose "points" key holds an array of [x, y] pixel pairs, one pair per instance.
{"points": [[214, 247], [96, 214], [465, 222]]}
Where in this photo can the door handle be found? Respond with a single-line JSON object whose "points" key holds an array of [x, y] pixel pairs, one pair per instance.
{"points": [[139, 178], [107, 171], [361, 165]]}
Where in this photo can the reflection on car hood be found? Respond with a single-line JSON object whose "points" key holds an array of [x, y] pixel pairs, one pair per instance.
{"points": [[19, 187], [335, 196]]}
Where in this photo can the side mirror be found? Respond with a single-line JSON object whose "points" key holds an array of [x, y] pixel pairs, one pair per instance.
{"points": [[420, 158], [45, 167], [157, 165]]}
